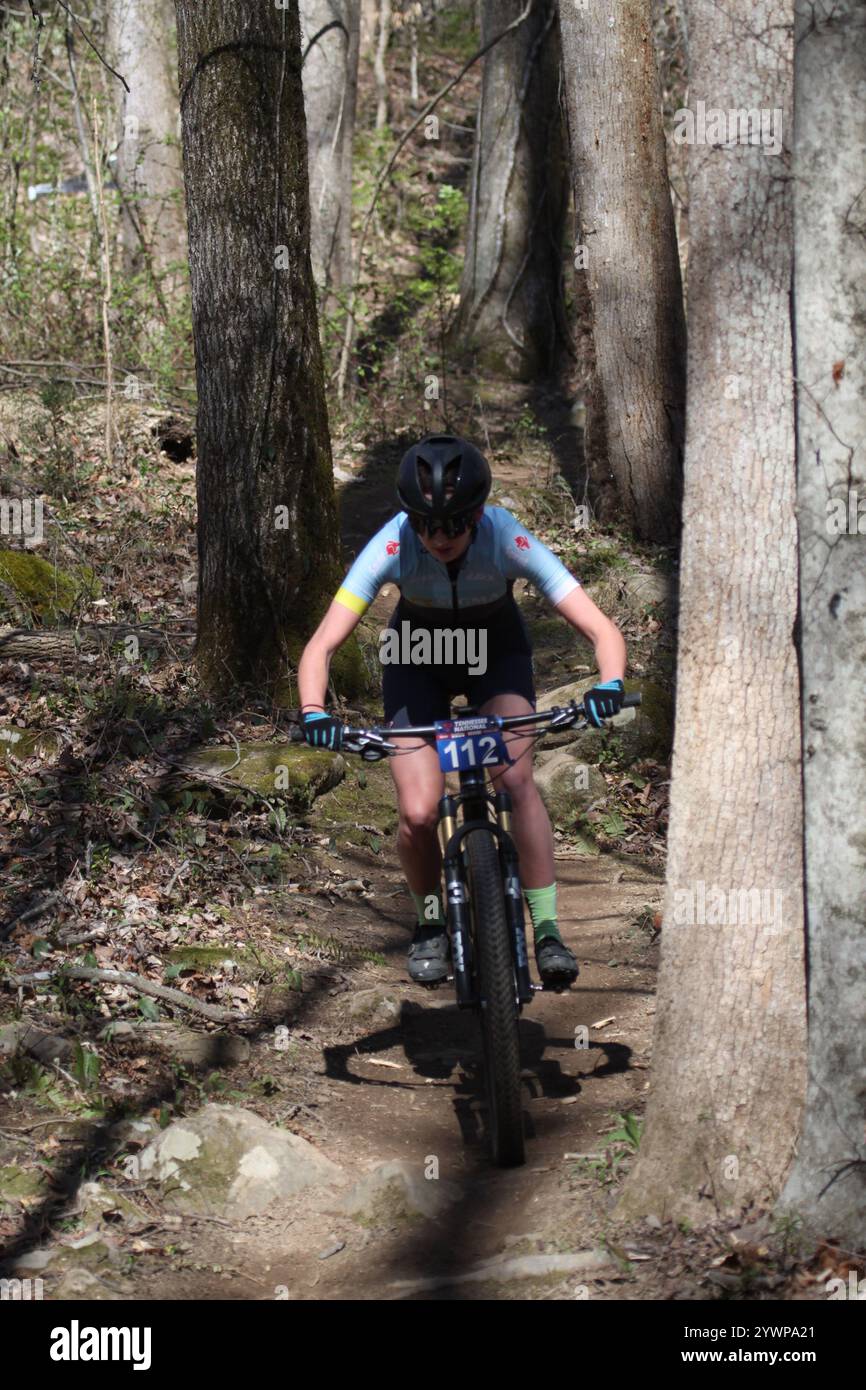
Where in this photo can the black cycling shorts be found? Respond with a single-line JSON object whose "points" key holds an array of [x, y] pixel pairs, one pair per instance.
{"points": [[422, 694]]}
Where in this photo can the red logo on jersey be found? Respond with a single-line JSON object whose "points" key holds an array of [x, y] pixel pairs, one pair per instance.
{"points": [[392, 547], [522, 542]]}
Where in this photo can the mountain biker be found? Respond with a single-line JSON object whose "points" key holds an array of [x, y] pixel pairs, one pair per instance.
{"points": [[454, 562]]}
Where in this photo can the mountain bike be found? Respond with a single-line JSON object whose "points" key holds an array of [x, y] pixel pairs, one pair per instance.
{"points": [[484, 900]]}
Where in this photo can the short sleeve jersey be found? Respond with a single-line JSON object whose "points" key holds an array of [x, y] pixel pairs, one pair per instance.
{"points": [[501, 552]]}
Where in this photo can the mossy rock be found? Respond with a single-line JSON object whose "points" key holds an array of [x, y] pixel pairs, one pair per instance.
{"points": [[569, 788], [288, 771], [352, 805], [40, 590], [642, 732], [18, 1183]]}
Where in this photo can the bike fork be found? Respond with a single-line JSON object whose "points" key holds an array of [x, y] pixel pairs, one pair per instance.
{"points": [[456, 907], [513, 898]]}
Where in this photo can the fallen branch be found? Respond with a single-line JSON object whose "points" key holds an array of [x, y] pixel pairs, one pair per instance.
{"points": [[64, 644], [136, 982]]}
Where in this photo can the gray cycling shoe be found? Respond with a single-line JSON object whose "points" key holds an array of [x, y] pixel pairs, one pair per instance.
{"points": [[556, 964], [429, 954]]}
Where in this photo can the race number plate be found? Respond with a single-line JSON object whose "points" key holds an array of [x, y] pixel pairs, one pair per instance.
{"points": [[466, 743]]}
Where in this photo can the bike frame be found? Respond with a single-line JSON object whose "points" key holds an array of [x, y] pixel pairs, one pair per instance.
{"points": [[476, 800]]}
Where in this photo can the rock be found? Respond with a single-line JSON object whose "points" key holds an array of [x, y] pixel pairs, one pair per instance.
{"points": [[17, 1184], [518, 1267], [642, 732], [132, 1134], [288, 770], [39, 590], [647, 588], [375, 1003], [560, 777], [80, 1284], [228, 1162], [35, 1041], [398, 1191], [33, 1261], [94, 1202]]}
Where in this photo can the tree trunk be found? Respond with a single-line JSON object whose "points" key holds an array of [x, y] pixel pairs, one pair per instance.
{"points": [[729, 1048], [384, 35], [369, 12], [148, 173], [627, 243], [267, 526], [828, 1183], [511, 315], [330, 89]]}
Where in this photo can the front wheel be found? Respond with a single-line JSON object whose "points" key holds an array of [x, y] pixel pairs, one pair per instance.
{"points": [[497, 991]]}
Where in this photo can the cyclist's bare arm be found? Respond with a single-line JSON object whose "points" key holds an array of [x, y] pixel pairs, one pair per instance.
{"points": [[315, 662], [578, 609]]}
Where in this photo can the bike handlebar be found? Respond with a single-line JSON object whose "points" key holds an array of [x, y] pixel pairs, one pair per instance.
{"points": [[373, 743]]}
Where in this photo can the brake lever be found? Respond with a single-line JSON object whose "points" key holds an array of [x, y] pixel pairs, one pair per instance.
{"points": [[372, 747], [564, 718]]}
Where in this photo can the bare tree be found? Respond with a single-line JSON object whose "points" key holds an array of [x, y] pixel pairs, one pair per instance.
{"points": [[142, 44], [510, 312], [384, 34], [330, 34], [267, 527], [626, 243], [729, 1048], [828, 1183]]}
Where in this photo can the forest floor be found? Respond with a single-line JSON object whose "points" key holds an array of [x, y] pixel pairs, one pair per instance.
{"points": [[296, 921]]}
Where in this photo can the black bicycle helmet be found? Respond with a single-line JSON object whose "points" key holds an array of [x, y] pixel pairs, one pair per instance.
{"points": [[437, 463]]}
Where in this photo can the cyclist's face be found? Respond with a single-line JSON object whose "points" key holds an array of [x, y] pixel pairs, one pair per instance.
{"points": [[446, 549]]}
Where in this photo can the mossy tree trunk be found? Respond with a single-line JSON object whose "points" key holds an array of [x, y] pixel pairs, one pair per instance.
{"points": [[267, 521], [511, 291], [626, 248], [729, 1048]]}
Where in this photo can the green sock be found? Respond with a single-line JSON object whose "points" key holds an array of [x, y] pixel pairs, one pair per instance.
{"points": [[421, 900], [542, 909]]}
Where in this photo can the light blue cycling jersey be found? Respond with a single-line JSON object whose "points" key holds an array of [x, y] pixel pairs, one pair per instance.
{"points": [[501, 552]]}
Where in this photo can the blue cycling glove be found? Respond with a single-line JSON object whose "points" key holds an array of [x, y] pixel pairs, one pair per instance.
{"points": [[322, 730], [603, 702]]}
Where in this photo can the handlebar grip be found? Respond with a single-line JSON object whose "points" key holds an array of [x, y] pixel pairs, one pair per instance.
{"points": [[630, 700]]}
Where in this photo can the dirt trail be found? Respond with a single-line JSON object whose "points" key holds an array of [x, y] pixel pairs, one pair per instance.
{"points": [[432, 1107], [408, 1087]]}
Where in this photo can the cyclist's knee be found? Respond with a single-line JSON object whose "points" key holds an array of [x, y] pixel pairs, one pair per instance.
{"points": [[418, 818], [517, 779]]}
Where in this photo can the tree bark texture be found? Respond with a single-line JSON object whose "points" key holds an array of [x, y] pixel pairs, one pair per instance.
{"points": [[148, 172], [330, 76], [626, 241], [267, 528], [511, 298], [729, 1049], [828, 1182]]}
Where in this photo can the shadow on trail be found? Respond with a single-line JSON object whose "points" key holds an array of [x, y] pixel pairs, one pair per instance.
{"points": [[443, 1046]]}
